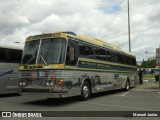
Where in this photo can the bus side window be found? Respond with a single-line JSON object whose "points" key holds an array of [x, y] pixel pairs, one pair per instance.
{"points": [[133, 61], [86, 50], [14, 55], [120, 58], [108, 55], [113, 57], [100, 54], [3, 55]]}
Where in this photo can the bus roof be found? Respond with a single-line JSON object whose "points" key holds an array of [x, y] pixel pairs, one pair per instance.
{"points": [[82, 38], [15, 46], [100, 43]]}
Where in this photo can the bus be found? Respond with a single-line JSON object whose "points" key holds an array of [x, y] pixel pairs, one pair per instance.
{"points": [[65, 64], [10, 57]]}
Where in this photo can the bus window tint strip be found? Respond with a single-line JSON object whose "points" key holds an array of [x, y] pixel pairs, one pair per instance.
{"points": [[94, 65]]}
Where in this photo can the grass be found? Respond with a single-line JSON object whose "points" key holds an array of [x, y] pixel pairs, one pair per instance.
{"points": [[148, 76]]}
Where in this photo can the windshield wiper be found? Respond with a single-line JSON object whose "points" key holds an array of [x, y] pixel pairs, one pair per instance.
{"points": [[44, 60], [29, 60]]}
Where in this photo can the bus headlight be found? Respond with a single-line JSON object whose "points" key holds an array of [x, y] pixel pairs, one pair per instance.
{"points": [[47, 83], [51, 83], [20, 83], [23, 83]]}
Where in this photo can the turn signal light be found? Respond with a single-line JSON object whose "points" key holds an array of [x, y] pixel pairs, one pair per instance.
{"points": [[52, 75], [60, 83]]}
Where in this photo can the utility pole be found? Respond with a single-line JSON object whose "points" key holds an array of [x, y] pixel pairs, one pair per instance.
{"points": [[146, 59], [129, 29]]}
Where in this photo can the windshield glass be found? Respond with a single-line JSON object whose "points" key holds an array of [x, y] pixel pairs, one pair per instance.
{"points": [[51, 51]]}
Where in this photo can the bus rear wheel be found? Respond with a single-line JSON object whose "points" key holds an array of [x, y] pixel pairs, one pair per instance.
{"points": [[127, 85], [85, 91]]}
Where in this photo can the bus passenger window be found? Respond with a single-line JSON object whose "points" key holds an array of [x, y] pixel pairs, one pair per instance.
{"points": [[108, 55], [100, 54], [3, 55], [86, 50], [15, 55], [133, 61], [127, 60], [113, 57], [120, 58]]}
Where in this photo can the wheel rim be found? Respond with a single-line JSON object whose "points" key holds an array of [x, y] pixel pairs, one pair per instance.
{"points": [[85, 91], [127, 86]]}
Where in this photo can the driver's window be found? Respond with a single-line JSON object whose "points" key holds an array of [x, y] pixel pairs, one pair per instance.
{"points": [[71, 58]]}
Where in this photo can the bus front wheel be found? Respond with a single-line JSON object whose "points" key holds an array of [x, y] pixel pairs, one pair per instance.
{"points": [[85, 91]]}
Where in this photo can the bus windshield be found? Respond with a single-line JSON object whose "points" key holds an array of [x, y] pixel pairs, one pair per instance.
{"points": [[52, 51]]}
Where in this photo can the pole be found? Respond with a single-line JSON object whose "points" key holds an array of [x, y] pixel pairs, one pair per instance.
{"points": [[146, 59], [159, 78], [159, 75], [129, 28]]}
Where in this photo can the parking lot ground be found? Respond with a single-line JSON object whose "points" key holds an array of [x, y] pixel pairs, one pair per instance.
{"points": [[148, 85], [145, 97]]}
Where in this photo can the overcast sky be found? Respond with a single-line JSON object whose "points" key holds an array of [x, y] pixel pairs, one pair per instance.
{"points": [[103, 19]]}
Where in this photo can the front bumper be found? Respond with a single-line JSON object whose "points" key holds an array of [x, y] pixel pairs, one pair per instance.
{"points": [[44, 92]]}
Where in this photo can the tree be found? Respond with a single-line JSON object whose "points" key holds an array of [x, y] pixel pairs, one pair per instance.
{"points": [[149, 64]]}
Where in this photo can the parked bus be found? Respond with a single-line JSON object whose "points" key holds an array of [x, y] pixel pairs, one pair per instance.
{"points": [[10, 57], [65, 64]]}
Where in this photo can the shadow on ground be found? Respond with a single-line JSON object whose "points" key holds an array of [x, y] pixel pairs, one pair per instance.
{"points": [[9, 95], [53, 102], [66, 101]]}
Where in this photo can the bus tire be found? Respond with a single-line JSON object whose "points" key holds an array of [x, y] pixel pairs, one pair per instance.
{"points": [[19, 93], [85, 91], [127, 85]]}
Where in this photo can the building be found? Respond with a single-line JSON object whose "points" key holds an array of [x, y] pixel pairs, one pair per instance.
{"points": [[151, 58]]}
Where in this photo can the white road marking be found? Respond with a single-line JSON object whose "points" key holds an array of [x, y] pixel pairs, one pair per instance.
{"points": [[142, 90], [120, 96], [125, 93], [136, 108], [159, 94]]}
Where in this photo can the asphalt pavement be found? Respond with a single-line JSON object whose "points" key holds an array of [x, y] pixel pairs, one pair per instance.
{"points": [[145, 97]]}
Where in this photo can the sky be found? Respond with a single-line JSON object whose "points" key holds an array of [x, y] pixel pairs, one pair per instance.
{"points": [[102, 19]]}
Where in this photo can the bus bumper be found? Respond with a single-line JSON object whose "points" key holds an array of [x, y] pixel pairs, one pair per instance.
{"points": [[47, 95]]}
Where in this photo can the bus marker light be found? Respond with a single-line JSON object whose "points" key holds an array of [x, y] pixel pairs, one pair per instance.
{"points": [[60, 83]]}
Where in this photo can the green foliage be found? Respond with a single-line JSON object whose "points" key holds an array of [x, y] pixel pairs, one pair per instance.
{"points": [[148, 64]]}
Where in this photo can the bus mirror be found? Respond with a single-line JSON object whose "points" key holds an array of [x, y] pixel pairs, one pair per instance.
{"points": [[71, 53]]}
